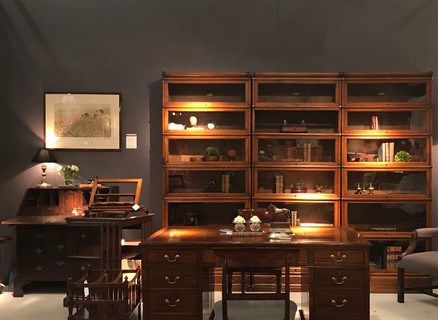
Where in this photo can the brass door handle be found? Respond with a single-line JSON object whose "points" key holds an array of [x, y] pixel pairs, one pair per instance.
{"points": [[174, 280], [344, 301], [172, 305], [174, 259], [338, 258], [335, 280]]}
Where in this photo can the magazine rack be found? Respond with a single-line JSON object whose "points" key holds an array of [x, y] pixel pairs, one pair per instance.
{"points": [[104, 294]]}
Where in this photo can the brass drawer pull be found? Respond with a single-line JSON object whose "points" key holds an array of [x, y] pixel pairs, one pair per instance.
{"points": [[339, 282], [339, 305], [171, 260], [59, 263], [172, 305], [38, 251], [171, 282], [338, 258]]}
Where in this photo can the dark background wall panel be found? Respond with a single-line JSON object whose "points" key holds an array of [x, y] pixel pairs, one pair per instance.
{"points": [[124, 45]]}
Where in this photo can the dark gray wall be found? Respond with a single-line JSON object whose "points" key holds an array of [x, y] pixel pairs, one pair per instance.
{"points": [[124, 45]]}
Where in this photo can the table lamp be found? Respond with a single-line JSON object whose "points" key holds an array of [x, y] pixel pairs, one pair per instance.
{"points": [[43, 156]]}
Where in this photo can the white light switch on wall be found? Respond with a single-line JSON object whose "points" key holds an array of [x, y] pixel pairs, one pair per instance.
{"points": [[131, 141]]}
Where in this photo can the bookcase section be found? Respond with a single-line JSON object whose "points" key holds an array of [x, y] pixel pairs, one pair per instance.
{"points": [[341, 149]]}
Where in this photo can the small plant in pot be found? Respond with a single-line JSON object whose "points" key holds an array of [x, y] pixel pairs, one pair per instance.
{"points": [[402, 156], [211, 154]]}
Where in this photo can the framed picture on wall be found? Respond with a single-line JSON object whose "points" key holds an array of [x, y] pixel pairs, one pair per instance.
{"points": [[82, 121]]}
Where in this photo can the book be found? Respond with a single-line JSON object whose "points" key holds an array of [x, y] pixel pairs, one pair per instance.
{"points": [[225, 183], [279, 183], [391, 256]]}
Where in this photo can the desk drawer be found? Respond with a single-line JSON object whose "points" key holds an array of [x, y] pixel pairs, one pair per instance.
{"points": [[172, 278], [172, 301], [339, 278], [339, 304], [339, 257], [171, 257]]}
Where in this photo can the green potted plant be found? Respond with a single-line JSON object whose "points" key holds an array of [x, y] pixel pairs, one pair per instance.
{"points": [[68, 171], [211, 154], [402, 156]]}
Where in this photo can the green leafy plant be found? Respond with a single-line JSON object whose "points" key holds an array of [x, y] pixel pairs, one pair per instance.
{"points": [[212, 152], [402, 156], [68, 171]]}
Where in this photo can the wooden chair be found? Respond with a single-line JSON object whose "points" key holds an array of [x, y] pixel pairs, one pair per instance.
{"points": [[240, 304], [266, 216], [423, 262]]}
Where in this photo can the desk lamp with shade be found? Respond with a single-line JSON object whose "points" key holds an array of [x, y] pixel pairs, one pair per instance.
{"points": [[44, 156]]}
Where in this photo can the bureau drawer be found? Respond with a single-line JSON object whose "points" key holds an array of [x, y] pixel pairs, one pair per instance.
{"points": [[36, 243], [172, 278], [44, 269], [37, 250], [171, 256], [339, 278], [45, 235], [172, 301], [339, 257], [339, 304]]}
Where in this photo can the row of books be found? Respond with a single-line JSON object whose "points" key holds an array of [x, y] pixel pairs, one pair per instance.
{"points": [[225, 183], [391, 255], [386, 152], [388, 259], [279, 183]]}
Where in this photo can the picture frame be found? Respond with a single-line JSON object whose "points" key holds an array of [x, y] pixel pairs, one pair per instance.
{"points": [[82, 121]]}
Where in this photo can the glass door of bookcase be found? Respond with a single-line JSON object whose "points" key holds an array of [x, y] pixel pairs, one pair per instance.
{"points": [[295, 90], [284, 149], [384, 90], [203, 211], [374, 122], [296, 183], [198, 150], [206, 89], [384, 150], [381, 218], [205, 121], [309, 213]]}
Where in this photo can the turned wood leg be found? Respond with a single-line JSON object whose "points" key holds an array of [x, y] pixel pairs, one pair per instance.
{"points": [[400, 285]]}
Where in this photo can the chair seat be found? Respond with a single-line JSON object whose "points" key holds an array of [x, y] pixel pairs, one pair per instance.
{"points": [[254, 309], [424, 262]]}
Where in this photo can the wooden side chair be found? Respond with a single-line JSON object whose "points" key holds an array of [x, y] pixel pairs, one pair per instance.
{"points": [[240, 304], [423, 262]]}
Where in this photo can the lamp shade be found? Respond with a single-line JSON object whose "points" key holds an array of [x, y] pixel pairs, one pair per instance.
{"points": [[44, 155]]}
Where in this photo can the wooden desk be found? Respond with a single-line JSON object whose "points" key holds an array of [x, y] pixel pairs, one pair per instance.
{"points": [[178, 263]]}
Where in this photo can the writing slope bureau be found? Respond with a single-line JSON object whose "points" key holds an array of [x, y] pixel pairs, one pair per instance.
{"points": [[42, 233]]}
